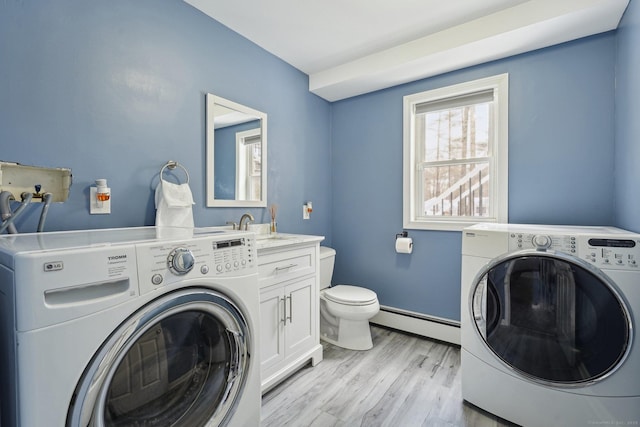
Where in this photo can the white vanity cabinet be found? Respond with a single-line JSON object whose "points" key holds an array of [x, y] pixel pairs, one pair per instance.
{"points": [[289, 309]]}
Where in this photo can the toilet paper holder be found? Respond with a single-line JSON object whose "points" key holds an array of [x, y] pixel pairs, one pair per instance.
{"points": [[404, 243], [403, 234]]}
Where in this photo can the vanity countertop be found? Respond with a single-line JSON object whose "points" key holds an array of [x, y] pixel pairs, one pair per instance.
{"points": [[266, 240], [280, 240]]}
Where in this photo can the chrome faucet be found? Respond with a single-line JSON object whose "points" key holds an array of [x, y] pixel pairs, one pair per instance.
{"points": [[244, 217]]}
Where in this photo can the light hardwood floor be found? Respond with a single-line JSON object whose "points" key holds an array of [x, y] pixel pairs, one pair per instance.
{"points": [[404, 381]]}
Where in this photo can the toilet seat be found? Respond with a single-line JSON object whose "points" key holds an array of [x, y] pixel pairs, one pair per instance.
{"points": [[350, 295]]}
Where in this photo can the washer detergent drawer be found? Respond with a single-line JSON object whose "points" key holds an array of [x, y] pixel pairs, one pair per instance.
{"points": [[56, 287], [284, 265]]}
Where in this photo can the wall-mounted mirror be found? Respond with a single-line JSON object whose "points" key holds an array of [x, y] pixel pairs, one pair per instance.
{"points": [[236, 154]]}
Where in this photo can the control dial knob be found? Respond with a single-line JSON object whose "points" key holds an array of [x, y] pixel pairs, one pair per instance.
{"points": [[180, 261], [541, 242]]}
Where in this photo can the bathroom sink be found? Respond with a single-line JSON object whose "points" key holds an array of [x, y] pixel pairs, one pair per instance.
{"points": [[279, 239], [267, 240], [275, 237]]}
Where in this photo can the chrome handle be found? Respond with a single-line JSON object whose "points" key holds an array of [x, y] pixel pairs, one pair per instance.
{"points": [[286, 267], [236, 368], [284, 311], [290, 317], [479, 306]]}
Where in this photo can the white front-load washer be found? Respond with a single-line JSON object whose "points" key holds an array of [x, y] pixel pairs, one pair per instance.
{"points": [[548, 324], [129, 327]]}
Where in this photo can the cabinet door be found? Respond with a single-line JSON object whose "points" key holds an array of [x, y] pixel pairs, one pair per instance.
{"points": [[271, 328], [300, 310]]}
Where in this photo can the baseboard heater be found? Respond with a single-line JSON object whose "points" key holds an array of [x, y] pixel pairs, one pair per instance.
{"points": [[420, 324]]}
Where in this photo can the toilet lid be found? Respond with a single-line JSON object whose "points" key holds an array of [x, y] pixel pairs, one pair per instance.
{"points": [[347, 294]]}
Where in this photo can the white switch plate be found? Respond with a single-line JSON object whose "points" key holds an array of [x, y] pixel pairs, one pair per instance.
{"points": [[305, 212], [96, 207]]}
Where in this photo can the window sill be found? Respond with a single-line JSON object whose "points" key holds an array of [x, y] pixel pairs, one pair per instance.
{"points": [[444, 225]]}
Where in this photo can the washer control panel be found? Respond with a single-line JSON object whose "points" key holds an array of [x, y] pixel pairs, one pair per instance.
{"points": [[560, 243], [162, 263]]}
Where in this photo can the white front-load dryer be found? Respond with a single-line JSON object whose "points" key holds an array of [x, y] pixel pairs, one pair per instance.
{"points": [[548, 324], [124, 327]]}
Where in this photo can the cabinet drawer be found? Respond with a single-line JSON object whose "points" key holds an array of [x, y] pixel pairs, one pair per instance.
{"points": [[285, 265]]}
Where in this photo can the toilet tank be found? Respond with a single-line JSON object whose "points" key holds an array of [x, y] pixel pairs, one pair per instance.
{"points": [[327, 259]]}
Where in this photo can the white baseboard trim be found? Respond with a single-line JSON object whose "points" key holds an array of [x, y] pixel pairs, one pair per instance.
{"points": [[416, 323]]}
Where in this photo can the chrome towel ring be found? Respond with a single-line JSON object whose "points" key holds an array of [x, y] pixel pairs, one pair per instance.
{"points": [[172, 164]]}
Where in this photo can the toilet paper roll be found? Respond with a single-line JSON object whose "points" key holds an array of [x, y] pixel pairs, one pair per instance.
{"points": [[404, 245]]}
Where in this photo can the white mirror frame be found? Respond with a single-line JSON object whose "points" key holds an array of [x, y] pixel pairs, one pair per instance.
{"points": [[210, 144]]}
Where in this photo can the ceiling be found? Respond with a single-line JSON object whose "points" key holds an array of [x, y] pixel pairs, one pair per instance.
{"points": [[351, 47]]}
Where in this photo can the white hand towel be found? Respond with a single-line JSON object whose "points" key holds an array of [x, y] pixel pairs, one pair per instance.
{"points": [[174, 205]]}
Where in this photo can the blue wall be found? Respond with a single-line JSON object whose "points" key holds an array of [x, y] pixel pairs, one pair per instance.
{"points": [[561, 129], [114, 89], [627, 153]]}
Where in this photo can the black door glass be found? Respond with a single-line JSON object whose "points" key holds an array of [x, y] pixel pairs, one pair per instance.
{"points": [[551, 319], [175, 374]]}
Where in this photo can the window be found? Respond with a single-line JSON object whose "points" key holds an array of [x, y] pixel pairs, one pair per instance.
{"points": [[455, 155]]}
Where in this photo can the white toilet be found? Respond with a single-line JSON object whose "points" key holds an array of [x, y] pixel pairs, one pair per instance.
{"points": [[345, 310]]}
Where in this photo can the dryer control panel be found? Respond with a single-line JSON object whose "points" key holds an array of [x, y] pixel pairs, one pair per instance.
{"points": [[612, 253], [604, 252], [560, 243]]}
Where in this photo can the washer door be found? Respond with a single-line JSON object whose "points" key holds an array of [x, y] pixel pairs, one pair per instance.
{"points": [[179, 361], [551, 317]]}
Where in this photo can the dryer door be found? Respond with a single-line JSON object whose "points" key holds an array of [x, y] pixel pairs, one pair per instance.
{"points": [[179, 361], [551, 317]]}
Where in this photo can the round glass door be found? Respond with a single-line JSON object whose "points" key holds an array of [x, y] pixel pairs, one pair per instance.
{"points": [[552, 317], [180, 361]]}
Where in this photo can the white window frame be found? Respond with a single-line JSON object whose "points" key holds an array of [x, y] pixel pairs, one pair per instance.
{"points": [[498, 154]]}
